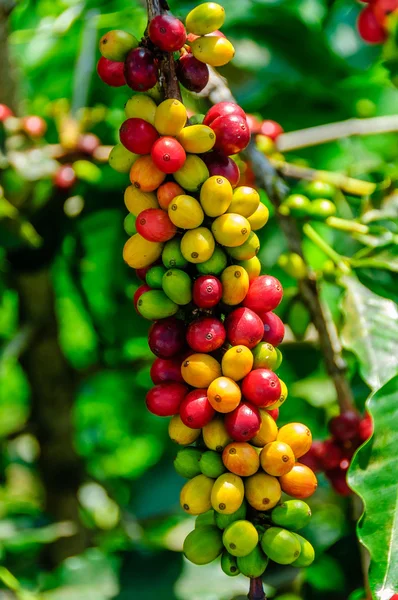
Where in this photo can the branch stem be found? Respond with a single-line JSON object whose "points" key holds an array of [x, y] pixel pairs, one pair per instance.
{"points": [[256, 589]]}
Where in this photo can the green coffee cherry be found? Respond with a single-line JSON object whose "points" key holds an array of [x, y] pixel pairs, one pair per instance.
{"points": [[171, 255], [322, 209], [215, 265], [265, 356], [203, 545], [186, 463], [121, 159], [247, 250], [293, 265], [320, 189], [292, 514], [154, 277], [296, 205], [207, 518], [254, 564], [223, 521], [240, 538], [229, 564], [129, 224], [211, 464], [281, 545], [154, 305], [279, 358], [178, 286], [116, 44], [307, 555]]}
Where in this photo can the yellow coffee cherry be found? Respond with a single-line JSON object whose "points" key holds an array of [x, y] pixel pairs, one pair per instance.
{"points": [[216, 195], [197, 138], [277, 458], [235, 282], [195, 496], [170, 117], [180, 433], [227, 494], [224, 394], [199, 370], [259, 218], [215, 436], [205, 18], [213, 50], [282, 398], [185, 212], [197, 245], [139, 252], [245, 201], [298, 436], [192, 174], [231, 230], [252, 266], [262, 491], [237, 362], [120, 159], [249, 249], [268, 430], [141, 106], [137, 201]]}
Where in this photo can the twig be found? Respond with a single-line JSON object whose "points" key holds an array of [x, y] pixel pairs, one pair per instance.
{"points": [[322, 134], [19, 343], [267, 177], [256, 589]]}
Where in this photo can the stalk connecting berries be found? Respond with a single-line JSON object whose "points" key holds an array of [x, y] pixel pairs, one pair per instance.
{"points": [[214, 332]]}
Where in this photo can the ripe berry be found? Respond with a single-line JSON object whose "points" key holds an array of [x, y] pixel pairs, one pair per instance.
{"points": [[163, 370], [253, 123], [243, 423], [196, 410], [164, 399], [207, 291], [206, 334], [219, 164], [241, 458], [338, 479], [271, 129], [244, 327], [300, 482], [369, 28], [223, 109], [137, 295], [168, 154], [193, 74], [261, 387], [65, 177], [166, 338], [145, 175], [345, 426], [138, 135], [34, 126], [88, 143], [274, 329], [167, 33], [265, 293], [331, 455], [274, 412], [314, 457], [167, 192], [111, 72], [140, 70], [365, 427], [232, 133], [298, 436], [116, 44], [224, 394], [155, 226], [5, 112]]}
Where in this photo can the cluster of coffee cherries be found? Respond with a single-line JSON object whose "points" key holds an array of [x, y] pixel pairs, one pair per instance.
{"points": [[333, 456], [127, 61], [373, 20], [315, 201]]}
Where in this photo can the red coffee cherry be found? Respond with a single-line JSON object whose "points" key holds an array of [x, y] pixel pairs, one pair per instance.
{"points": [[331, 455], [244, 328], [219, 164], [274, 329], [137, 295], [232, 133], [166, 338], [274, 412], [196, 410], [167, 33], [193, 74], [271, 129], [345, 427], [5, 112], [369, 27], [111, 72], [338, 479], [138, 135], [140, 70], [265, 293], [168, 154], [155, 226], [253, 123], [261, 387], [88, 143], [223, 109], [207, 291], [164, 399], [207, 334], [65, 177], [243, 423], [166, 370], [34, 126], [365, 429]]}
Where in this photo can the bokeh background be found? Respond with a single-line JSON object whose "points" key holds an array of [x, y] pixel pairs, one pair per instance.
{"points": [[88, 495]]}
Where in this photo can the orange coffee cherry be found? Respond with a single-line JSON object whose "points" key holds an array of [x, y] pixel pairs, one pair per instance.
{"points": [[224, 394], [297, 436], [277, 458], [145, 176], [241, 458], [300, 482]]}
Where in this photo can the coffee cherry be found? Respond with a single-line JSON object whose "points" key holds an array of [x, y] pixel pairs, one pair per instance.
{"points": [[154, 225], [298, 436], [277, 458], [219, 164], [5, 112], [140, 70], [213, 50], [178, 286], [207, 291], [274, 413], [253, 123], [231, 230], [293, 514], [224, 394], [185, 212], [111, 72], [116, 44], [280, 545], [240, 538], [215, 435], [338, 479], [197, 245], [271, 129], [138, 135], [235, 282], [243, 423], [223, 521], [192, 174], [322, 209], [205, 18], [229, 564], [241, 458], [245, 201], [244, 327], [206, 334], [262, 491], [196, 410], [141, 106], [166, 370], [193, 74], [232, 134], [252, 266], [155, 305], [365, 429], [145, 175], [274, 329], [261, 387], [199, 370], [268, 429], [164, 399], [170, 117], [237, 362], [264, 356], [227, 494], [65, 177], [186, 463], [195, 497], [88, 143], [180, 433], [154, 276], [121, 159], [139, 252], [211, 465], [166, 338], [34, 126], [136, 200], [265, 293], [167, 192], [254, 564], [215, 264], [138, 293], [168, 154], [369, 28], [345, 426], [307, 553], [203, 545], [300, 482], [216, 196], [172, 256], [223, 109], [247, 250], [329, 455], [167, 33], [197, 138], [259, 218]]}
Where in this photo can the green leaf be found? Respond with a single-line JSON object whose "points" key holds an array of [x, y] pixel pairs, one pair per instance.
{"points": [[371, 332], [387, 258], [372, 476]]}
